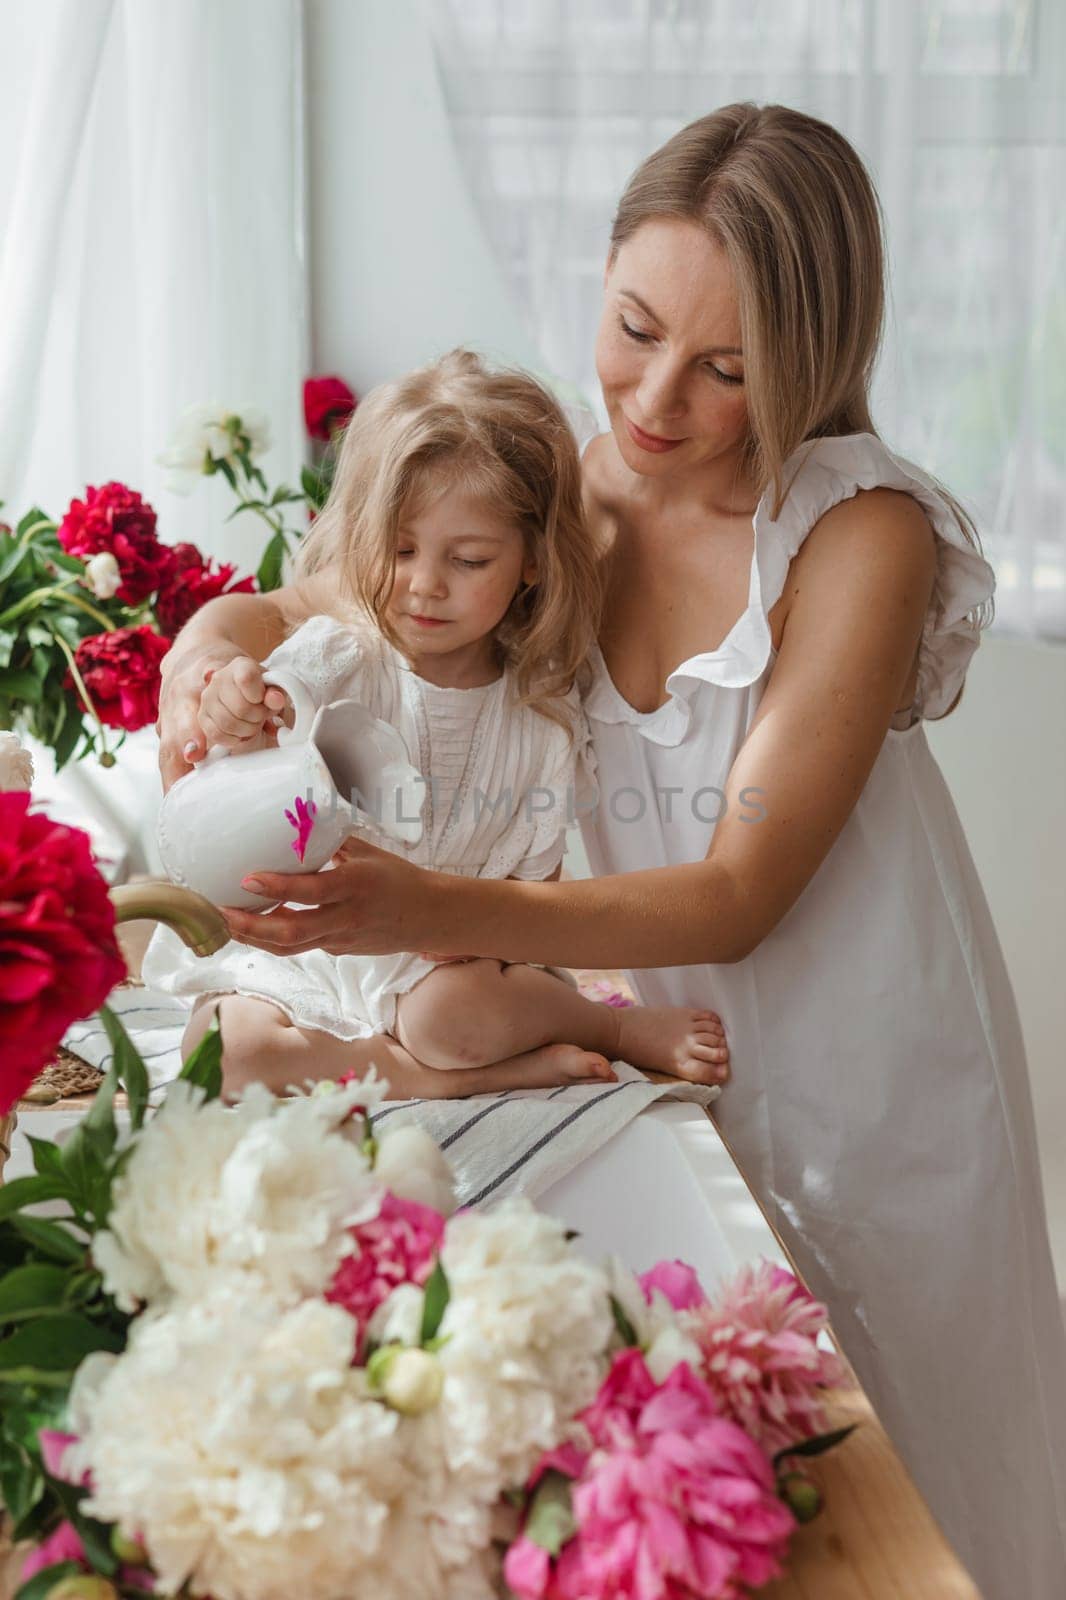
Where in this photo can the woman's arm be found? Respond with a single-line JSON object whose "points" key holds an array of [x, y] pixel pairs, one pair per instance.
{"points": [[859, 592], [232, 625]]}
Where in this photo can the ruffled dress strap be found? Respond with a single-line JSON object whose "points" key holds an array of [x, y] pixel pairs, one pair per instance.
{"points": [[818, 476]]}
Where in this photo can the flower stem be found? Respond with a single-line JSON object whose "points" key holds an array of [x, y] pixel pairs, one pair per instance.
{"points": [[37, 527], [37, 596], [106, 758]]}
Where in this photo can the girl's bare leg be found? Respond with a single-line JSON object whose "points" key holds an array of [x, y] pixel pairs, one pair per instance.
{"points": [[467, 1014], [260, 1044]]}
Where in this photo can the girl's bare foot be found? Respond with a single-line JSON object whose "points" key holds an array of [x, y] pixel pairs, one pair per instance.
{"points": [[687, 1044]]}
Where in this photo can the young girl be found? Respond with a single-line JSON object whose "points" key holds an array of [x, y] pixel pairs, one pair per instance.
{"points": [[466, 596]]}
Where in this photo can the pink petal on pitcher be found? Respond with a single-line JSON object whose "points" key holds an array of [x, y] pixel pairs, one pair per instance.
{"points": [[303, 821]]}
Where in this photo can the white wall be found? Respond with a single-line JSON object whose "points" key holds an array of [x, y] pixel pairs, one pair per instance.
{"points": [[1003, 753], [401, 271]]}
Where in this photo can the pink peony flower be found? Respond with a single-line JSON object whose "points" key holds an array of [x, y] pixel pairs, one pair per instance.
{"points": [[397, 1246], [761, 1359], [677, 1281], [62, 1545], [54, 1447], [674, 1502]]}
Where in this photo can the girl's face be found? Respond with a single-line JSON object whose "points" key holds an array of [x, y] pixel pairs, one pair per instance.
{"points": [[459, 564], [668, 351]]}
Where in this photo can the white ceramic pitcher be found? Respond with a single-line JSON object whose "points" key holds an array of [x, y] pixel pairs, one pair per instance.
{"points": [[238, 813]]}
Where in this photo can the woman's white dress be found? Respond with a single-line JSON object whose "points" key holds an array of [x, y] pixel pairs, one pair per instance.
{"points": [[879, 1105], [498, 794]]}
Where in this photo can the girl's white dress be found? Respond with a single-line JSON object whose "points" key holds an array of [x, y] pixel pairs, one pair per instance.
{"points": [[879, 1104], [499, 793]]}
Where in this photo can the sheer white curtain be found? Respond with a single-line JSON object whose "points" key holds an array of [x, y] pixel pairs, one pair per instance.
{"points": [[152, 255], [958, 107], [151, 243]]}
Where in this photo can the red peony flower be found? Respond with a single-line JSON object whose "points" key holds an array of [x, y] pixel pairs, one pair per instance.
{"points": [[58, 956], [328, 403], [116, 519], [121, 673], [192, 584]]}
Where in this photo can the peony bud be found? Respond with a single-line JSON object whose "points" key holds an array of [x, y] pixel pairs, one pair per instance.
{"points": [[85, 1587], [413, 1382], [130, 1552], [16, 763], [102, 575], [800, 1495]]}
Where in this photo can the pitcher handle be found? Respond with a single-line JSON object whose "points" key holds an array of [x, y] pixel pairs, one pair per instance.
{"points": [[303, 705]]}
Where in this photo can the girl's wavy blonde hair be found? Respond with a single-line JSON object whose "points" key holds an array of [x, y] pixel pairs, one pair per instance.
{"points": [[500, 435], [790, 202]]}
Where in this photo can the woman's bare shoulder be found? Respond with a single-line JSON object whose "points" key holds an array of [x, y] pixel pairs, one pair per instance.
{"points": [[879, 536]]}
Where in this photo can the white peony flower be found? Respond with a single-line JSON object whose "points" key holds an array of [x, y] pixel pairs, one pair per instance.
{"points": [[398, 1320], [16, 763], [410, 1164], [263, 1191], [656, 1326], [526, 1333], [103, 575], [234, 1437], [202, 436]]}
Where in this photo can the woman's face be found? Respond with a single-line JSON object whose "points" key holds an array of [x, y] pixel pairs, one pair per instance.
{"points": [[668, 351]]}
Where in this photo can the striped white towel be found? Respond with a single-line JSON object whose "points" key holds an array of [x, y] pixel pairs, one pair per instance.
{"points": [[519, 1142]]}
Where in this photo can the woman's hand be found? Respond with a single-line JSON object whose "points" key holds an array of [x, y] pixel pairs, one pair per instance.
{"points": [[371, 903], [181, 738]]}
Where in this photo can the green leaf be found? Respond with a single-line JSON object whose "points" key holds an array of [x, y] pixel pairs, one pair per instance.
{"points": [[551, 1520], [47, 1157], [8, 640], [53, 1345], [30, 1191], [12, 556], [127, 1063], [39, 1585], [33, 515], [314, 487], [437, 1295], [95, 1536], [66, 737], [269, 575], [21, 1484], [31, 1291], [18, 685], [223, 466], [818, 1445], [66, 563], [50, 1238], [204, 1066], [626, 1330]]}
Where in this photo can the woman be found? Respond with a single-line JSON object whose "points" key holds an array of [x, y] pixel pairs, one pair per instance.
{"points": [[773, 837]]}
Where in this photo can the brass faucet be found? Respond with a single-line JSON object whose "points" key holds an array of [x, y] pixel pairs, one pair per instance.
{"points": [[195, 920]]}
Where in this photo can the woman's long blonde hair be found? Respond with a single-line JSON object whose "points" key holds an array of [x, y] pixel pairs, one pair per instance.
{"points": [[499, 434], [790, 202]]}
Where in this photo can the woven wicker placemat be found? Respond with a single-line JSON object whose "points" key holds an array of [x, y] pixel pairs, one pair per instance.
{"points": [[67, 1076]]}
